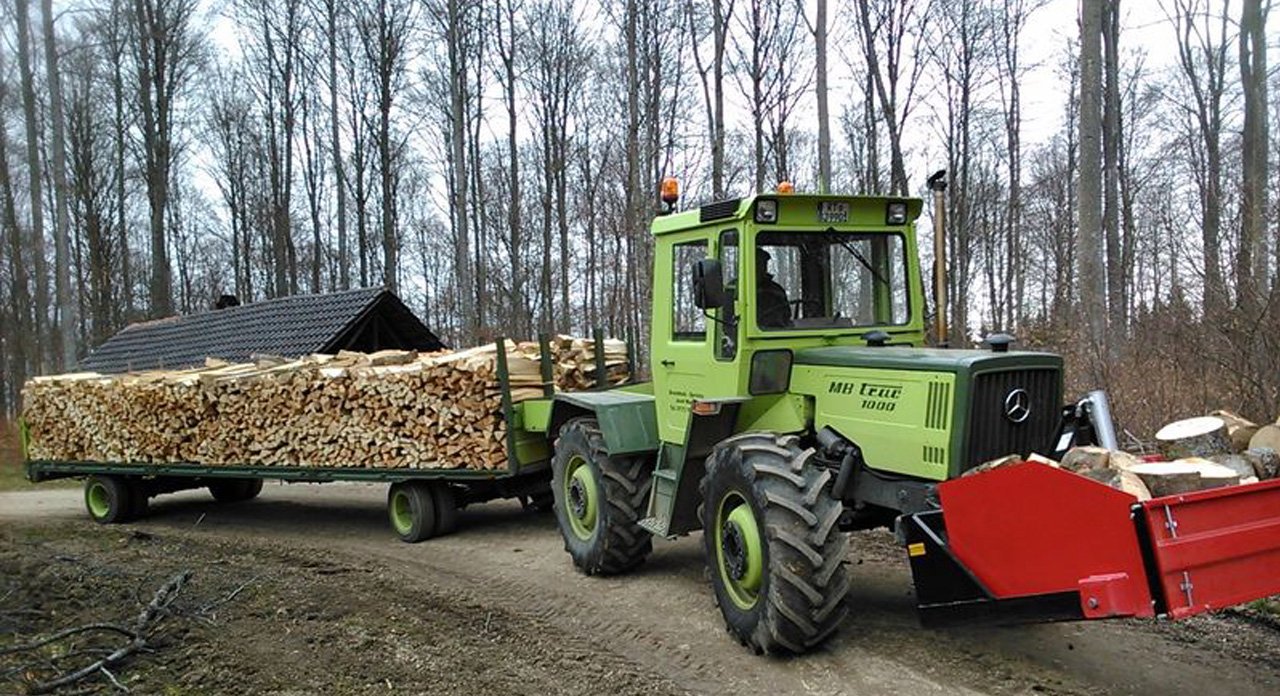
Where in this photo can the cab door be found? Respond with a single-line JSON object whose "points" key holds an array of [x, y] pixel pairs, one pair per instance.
{"points": [[690, 360]]}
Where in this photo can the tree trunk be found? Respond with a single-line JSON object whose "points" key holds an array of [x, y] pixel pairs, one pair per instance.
{"points": [[335, 145], [824, 117], [1111, 139], [61, 240], [1251, 270], [1089, 242], [35, 179]]}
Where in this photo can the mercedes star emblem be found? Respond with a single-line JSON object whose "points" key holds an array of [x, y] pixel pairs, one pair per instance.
{"points": [[1017, 405]]}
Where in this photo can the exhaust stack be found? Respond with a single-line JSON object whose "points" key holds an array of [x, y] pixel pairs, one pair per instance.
{"points": [[938, 184]]}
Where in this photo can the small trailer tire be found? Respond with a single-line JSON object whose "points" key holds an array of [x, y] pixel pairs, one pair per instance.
{"points": [[445, 500], [235, 490], [411, 507], [110, 499]]}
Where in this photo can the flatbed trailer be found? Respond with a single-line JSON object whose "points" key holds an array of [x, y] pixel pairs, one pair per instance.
{"points": [[421, 502]]}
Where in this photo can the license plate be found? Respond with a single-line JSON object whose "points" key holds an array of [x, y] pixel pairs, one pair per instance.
{"points": [[833, 211]]}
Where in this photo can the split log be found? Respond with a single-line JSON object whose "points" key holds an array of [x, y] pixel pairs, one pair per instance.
{"points": [[1122, 461], [1079, 459], [1265, 461], [1185, 476], [999, 462], [1169, 478], [1120, 480], [1240, 430], [1194, 437], [1041, 459], [390, 409], [1268, 436], [1240, 464]]}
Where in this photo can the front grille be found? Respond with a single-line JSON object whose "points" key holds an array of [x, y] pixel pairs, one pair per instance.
{"points": [[992, 435]]}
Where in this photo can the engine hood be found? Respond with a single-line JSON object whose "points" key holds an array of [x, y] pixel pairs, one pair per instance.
{"points": [[924, 359]]}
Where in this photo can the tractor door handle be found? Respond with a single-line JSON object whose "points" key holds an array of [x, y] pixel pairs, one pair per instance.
{"points": [[668, 363]]}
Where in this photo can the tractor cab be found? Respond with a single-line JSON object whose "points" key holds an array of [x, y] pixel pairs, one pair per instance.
{"points": [[740, 285]]}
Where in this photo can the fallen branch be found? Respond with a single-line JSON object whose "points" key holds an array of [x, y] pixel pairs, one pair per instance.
{"points": [[67, 634], [149, 615]]}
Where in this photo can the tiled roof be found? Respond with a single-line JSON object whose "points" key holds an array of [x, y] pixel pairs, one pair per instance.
{"points": [[366, 319]]}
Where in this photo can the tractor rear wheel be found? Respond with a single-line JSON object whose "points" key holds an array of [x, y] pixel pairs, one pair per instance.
{"points": [[599, 500], [774, 550]]}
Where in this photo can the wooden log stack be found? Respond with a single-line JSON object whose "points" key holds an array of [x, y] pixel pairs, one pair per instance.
{"points": [[391, 409]]}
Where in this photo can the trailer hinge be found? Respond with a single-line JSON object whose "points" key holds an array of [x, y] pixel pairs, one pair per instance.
{"points": [[1186, 588], [1170, 523]]}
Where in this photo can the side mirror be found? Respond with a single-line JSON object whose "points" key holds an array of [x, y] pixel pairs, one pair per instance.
{"points": [[708, 285]]}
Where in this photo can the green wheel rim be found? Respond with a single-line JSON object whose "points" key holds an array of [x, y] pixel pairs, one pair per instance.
{"points": [[739, 550], [401, 512], [98, 499], [581, 498]]}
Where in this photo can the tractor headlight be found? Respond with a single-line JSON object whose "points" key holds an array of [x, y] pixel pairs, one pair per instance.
{"points": [[896, 214], [767, 211]]}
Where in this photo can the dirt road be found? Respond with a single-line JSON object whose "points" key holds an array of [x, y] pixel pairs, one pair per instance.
{"points": [[659, 628]]}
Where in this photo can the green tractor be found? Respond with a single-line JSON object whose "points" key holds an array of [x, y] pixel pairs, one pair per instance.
{"points": [[793, 400]]}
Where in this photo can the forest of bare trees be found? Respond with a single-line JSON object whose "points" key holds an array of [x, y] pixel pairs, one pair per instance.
{"points": [[496, 162]]}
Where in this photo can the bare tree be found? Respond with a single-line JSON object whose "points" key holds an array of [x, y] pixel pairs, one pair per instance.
{"points": [[1202, 60], [34, 169], [1251, 269], [885, 31], [1089, 241], [385, 29], [62, 231], [164, 54]]}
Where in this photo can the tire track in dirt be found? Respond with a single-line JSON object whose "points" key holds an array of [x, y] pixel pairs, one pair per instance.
{"points": [[662, 615]]}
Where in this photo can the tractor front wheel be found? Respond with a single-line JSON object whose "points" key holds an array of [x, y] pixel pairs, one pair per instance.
{"points": [[774, 551], [599, 500]]}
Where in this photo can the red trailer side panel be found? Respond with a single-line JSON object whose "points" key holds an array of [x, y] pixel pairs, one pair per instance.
{"points": [[1216, 548]]}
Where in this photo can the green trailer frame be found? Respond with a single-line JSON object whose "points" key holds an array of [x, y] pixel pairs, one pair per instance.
{"points": [[427, 499]]}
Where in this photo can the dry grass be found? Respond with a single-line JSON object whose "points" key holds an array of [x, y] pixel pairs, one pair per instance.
{"points": [[13, 476], [1174, 365]]}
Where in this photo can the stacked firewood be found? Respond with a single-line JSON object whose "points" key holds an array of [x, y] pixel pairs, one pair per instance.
{"points": [[391, 409], [1221, 449]]}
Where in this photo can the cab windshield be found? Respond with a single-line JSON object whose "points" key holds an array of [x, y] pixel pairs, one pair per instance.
{"points": [[830, 280]]}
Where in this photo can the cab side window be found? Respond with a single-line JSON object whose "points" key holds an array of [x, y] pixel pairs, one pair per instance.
{"points": [[687, 320], [727, 329]]}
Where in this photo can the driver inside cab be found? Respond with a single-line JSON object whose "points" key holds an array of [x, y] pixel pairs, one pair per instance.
{"points": [[773, 310]]}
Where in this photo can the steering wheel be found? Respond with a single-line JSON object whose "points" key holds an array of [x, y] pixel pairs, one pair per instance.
{"points": [[798, 305]]}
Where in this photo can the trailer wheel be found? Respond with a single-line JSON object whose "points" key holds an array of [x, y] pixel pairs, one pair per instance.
{"points": [[412, 510], [445, 500], [599, 500], [235, 490], [774, 551], [109, 499], [141, 503]]}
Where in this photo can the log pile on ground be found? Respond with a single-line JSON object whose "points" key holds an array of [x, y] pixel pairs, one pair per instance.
{"points": [[391, 409], [1221, 449]]}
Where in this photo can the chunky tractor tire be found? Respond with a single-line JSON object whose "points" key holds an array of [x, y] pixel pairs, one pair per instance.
{"points": [[599, 500], [445, 501], [110, 499], [235, 490], [412, 510], [774, 550]]}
